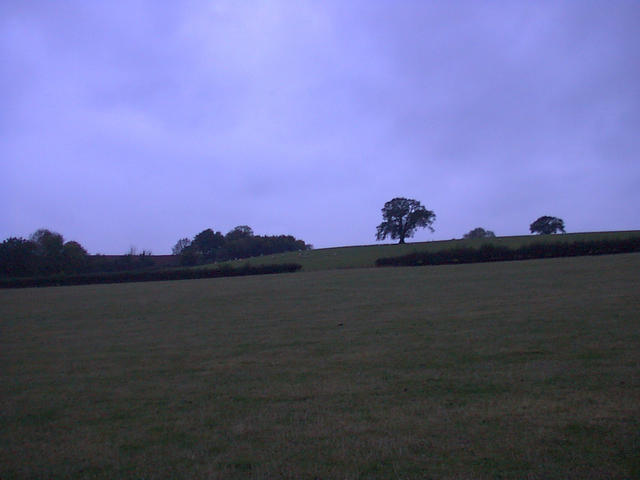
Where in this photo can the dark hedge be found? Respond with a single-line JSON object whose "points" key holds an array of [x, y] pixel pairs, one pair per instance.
{"points": [[494, 253], [147, 276]]}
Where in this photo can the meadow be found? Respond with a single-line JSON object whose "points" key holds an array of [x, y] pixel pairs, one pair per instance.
{"points": [[503, 370], [365, 256]]}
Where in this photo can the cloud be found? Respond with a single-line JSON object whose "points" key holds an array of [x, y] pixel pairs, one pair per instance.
{"points": [[163, 119]]}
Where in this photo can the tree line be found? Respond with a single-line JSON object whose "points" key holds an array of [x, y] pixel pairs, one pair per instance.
{"points": [[43, 253], [401, 217], [166, 274], [209, 246], [46, 253]]}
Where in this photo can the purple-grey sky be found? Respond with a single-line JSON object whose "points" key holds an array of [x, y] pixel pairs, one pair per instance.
{"points": [[139, 122]]}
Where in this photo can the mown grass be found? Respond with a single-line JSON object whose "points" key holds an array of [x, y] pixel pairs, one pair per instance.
{"points": [[509, 370], [365, 256]]}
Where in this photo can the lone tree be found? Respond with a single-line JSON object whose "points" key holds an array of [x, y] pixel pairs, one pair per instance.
{"points": [[479, 233], [547, 225], [402, 217]]}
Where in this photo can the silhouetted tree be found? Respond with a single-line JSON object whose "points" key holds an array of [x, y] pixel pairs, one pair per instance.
{"points": [[47, 243], [546, 225], [48, 249], [17, 257], [241, 242], [74, 257], [45, 253], [239, 232], [479, 233], [402, 217], [180, 245], [206, 244]]}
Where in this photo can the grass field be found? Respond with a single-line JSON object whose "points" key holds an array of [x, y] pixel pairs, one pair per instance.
{"points": [[506, 370], [365, 256]]}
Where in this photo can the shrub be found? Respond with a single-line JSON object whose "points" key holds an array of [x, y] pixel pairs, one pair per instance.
{"points": [[495, 253], [147, 276]]}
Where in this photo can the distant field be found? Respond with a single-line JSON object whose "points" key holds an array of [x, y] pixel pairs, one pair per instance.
{"points": [[509, 370], [365, 256]]}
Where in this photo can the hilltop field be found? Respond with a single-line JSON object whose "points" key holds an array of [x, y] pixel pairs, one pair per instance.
{"points": [[365, 256], [510, 370]]}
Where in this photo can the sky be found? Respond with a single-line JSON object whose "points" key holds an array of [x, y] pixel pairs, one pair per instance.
{"points": [[136, 123]]}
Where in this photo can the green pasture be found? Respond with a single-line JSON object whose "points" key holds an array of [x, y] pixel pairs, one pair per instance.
{"points": [[366, 255], [514, 370]]}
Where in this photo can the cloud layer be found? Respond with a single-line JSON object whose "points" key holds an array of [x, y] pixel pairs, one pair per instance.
{"points": [[138, 123]]}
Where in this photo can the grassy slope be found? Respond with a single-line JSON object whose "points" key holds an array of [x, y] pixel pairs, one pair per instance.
{"points": [[365, 256], [509, 370]]}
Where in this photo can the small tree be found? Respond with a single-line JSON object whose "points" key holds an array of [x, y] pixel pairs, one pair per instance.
{"points": [[479, 233], [402, 217], [546, 225], [180, 246]]}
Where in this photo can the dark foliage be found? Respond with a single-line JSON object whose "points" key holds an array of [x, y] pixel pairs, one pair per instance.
{"points": [[74, 258], [402, 217], [493, 253], [209, 246], [120, 263], [206, 244], [547, 225], [180, 246], [238, 233], [262, 245], [17, 257], [45, 253], [479, 233], [147, 276], [48, 250]]}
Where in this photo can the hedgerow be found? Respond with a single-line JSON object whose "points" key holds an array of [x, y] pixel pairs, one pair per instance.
{"points": [[495, 253], [148, 276]]}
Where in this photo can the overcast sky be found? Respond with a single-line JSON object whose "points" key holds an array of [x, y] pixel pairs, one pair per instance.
{"points": [[136, 123]]}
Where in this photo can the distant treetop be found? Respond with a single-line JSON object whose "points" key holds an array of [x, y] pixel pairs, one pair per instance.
{"points": [[44, 253], [479, 233], [209, 246], [547, 225]]}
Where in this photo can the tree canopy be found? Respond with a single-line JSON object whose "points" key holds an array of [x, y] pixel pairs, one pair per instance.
{"points": [[239, 232], [547, 225], [209, 246], [479, 233], [17, 257], [44, 253], [402, 217], [180, 246], [206, 243]]}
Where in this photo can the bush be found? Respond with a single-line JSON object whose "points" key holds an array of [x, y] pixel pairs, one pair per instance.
{"points": [[147, 276], [495, 253]]}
